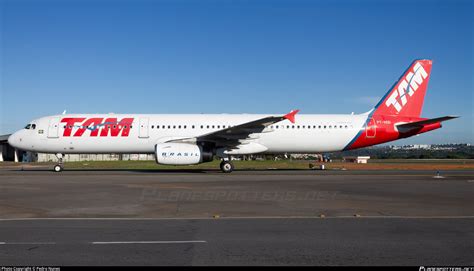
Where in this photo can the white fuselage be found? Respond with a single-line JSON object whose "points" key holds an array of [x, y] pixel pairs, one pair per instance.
{"points": [[309, 134]]}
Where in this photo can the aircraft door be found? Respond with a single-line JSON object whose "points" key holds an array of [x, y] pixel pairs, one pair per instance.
{"points": [[370, 129], [143, 128], [53, 128]]}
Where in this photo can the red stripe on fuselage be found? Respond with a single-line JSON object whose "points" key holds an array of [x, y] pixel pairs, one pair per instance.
{"points": [[380, 129]]}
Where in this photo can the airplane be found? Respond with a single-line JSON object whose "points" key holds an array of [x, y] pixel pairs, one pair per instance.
{"points": [[187, 139]]}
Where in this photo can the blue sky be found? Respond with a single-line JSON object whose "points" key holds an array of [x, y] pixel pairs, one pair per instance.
{"points": [[233, 57]]}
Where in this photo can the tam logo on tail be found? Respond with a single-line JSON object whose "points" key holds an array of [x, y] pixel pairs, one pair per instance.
{"points": [[409, 85], [407, 95]]}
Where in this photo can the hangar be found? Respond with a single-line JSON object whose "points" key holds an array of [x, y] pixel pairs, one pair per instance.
{"points": [[7, 152]]}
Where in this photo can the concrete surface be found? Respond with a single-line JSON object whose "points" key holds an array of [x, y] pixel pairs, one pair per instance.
{"points": [[261, 218], [44, 194], [313, 241]]}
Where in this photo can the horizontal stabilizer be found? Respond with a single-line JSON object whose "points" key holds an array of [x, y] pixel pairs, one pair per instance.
{"points": [[418, 124]]}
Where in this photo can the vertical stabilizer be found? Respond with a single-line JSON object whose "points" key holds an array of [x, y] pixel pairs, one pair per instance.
{"points": [[406, 96]]}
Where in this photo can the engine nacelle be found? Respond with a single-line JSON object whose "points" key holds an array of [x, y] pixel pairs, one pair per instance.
{"points": [[181, 154]]}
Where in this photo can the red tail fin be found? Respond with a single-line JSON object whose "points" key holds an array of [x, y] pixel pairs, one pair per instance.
{"points": [[406, 97]]}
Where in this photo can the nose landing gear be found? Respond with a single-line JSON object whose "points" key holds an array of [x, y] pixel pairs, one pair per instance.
{"points": [[59, 167]]}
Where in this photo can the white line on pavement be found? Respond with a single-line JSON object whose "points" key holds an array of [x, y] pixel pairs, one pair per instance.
{"points": [[148, 242], [27, 243]]}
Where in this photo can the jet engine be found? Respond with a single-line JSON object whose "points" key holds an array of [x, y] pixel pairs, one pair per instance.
{"points": [[181, 154]]}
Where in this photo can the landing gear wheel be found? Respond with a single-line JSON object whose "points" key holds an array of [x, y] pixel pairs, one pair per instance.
{"points": [[58, 168], [227, 167]]}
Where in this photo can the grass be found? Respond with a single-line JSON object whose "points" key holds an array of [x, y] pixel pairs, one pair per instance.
{"points": [[393, 164], [210, 165]]}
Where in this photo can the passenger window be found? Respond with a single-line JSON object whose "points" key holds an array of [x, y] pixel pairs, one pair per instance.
{"points": [[184, 126], [179, 127], [192, 126], [153, 126]]}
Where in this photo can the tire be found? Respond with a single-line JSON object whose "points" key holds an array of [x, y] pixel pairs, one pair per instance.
{"points": [[58, 168], [227, 167]]}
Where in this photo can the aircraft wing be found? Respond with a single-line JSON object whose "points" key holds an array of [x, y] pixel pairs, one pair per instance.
{"points": [[419, 124], [231, 136]]}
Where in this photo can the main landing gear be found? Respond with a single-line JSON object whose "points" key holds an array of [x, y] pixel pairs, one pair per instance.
{"points": [[227, 166], [59, 167]]}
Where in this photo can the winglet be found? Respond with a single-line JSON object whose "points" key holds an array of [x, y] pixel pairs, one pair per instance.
{"points": [[291, 116]]}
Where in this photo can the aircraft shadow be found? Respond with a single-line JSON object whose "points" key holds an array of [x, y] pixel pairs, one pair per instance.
{"points": [[158, 171]]}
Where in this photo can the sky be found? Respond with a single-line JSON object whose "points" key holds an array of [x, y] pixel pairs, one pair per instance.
{"points": [[202, 56]]}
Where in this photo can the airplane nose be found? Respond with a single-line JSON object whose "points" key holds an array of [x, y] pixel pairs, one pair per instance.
{"points": [[13, 140]]}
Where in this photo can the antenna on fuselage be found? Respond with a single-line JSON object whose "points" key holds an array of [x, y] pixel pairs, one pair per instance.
{"points": [[64, 112]]}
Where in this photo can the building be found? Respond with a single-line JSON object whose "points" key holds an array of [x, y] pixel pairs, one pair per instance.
{"points": [[7, 152], [47, 157], [356, 159], [412, 147]]}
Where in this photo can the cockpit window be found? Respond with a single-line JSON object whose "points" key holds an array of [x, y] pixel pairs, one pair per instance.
{"points": [[28, 126], [33, 126]]}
